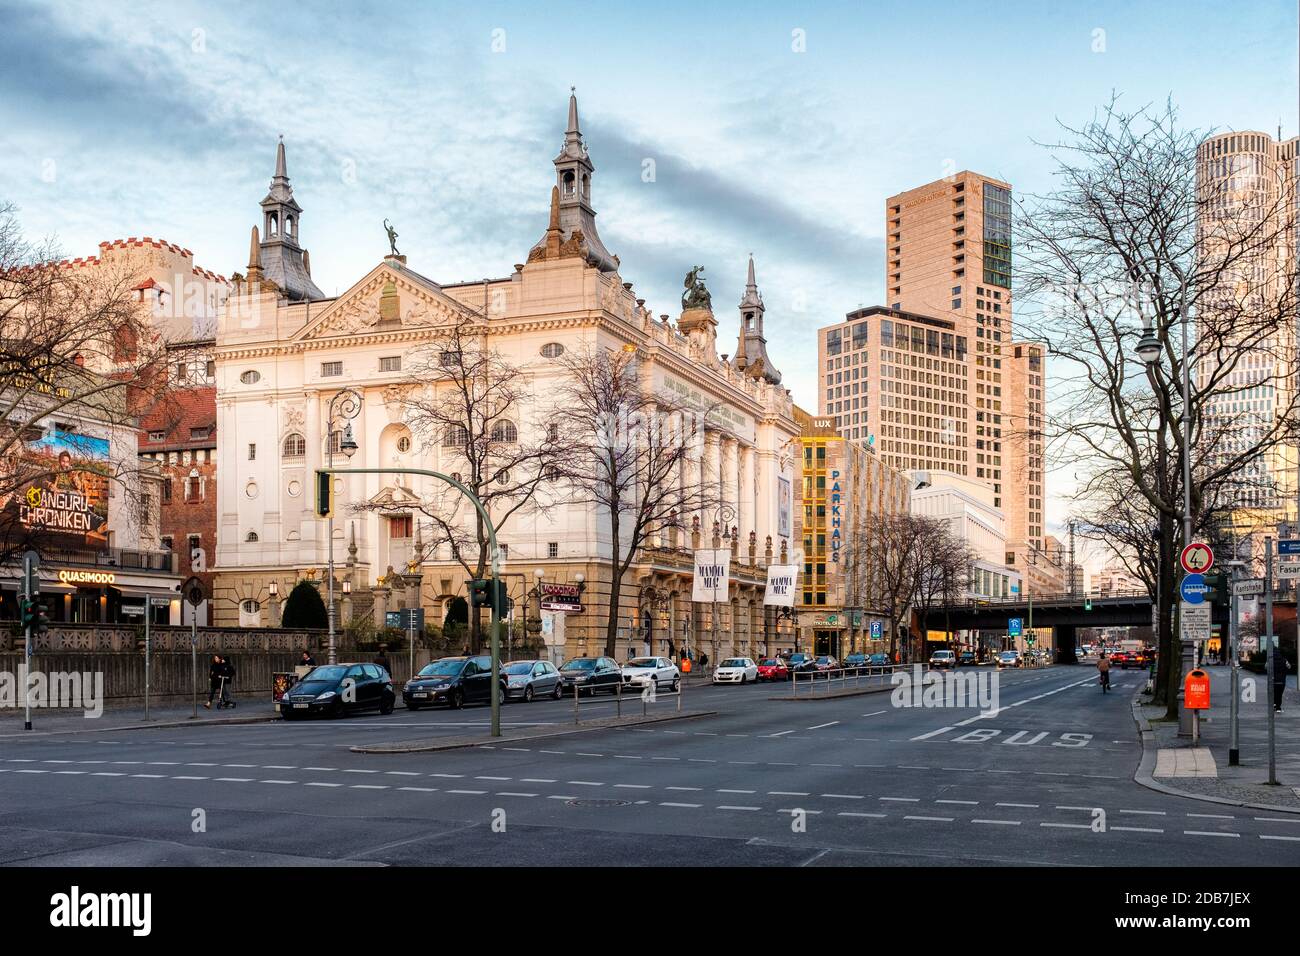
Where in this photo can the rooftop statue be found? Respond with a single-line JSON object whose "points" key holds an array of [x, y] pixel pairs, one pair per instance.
{"points": [[392, 238], [696, 295]]}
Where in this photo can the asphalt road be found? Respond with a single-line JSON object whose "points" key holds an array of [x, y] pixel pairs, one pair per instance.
{"points": [[1047, 779]]}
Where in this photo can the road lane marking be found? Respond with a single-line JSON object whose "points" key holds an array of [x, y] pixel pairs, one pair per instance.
{"points": [[1210, 833], [146, 776], [903, 799], [1213, 816], [933, 733], [189, 778], [278, 781], [781, 734], [641, 786], [348, 770], [736, 791], [512, 793], [1067, 826], [843, 796], [787, 793], [234, 779], [536, 780], [1278, 820], [726, 807], [969, 803], [318, 784], [420, 789], [854, 813], [691, 806], [474, 793], [1085, 809], [875, 713], [1022, 806], [584, 783], [71, 771], [930, 819], [1139, 829], [1149, 813], [820, 726], [683, 788], [398, 773], [107, 773], [1269, 836], [999, 823], [491, 778]]}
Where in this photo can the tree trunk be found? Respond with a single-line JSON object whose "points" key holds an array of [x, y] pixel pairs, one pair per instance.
{"points": [[611, 622]]}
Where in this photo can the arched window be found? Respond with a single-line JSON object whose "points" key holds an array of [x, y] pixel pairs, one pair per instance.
{"points": [[251, 537], [456, 437], [251, 606], [295, 446], [505, 431], [569, 182], [552, 350]]}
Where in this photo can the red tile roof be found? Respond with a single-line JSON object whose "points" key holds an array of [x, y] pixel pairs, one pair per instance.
{"points": [[175, 414]]}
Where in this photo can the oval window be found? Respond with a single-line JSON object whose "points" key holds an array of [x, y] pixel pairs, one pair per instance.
{"points": [[403, 444], [251, 606], [552, 350], [295, 488], [251, 489], [251, 377]]}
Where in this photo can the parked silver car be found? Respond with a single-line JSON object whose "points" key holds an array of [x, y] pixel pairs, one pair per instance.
{"points": [[526, 680], [641, 670]]}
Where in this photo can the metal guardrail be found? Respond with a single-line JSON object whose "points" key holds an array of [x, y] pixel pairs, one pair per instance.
{"points": [[882, 672]]}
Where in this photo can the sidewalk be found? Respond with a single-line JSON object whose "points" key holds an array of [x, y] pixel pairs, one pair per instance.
{"points": [[251, 709], [1172, 765]]}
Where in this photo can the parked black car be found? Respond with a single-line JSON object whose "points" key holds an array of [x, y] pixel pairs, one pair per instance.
{"points": [[801, 663], [856, 660], [454, 681], [338, 689], [590, 674]]}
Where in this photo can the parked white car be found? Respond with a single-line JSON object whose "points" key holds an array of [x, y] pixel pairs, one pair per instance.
{"points": [[736, 670], [643, 670]]}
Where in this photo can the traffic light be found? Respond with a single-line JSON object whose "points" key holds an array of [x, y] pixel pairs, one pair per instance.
{"points": [[324, 495], [478, 592], [1087, 604], [26, 611], [482, 594], [40, 618]]}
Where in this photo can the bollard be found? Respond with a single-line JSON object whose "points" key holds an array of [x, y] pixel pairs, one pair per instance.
{"points": [[575, 702], [618, 692]]}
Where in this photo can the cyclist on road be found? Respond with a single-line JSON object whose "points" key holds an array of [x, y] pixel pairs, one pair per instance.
{"points": [[1103, 668]]}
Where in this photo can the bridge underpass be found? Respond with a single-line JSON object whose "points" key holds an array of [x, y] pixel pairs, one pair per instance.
{"points": [[1063, 613]]}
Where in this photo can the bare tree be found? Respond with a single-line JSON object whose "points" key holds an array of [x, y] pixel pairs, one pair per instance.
{"points": [[76, 348], [469, 400], [632, 451], [1134, 239], [945, 562]]}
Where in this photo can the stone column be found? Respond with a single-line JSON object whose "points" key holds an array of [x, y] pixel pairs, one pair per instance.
{"points": [[312, 530], [747, 523], [731, 474]]}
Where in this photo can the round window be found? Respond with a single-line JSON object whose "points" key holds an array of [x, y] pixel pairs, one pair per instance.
{"points": [[552, 350], [251, 377], [295, 489], [250, 489], [403, 444]]}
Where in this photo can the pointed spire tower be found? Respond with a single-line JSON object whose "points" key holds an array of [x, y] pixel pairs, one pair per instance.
{"points": [[573, 171], [751, 349], [282, 257]]}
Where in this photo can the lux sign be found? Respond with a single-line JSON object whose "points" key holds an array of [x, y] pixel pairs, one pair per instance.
{"points": [[87, 577]]}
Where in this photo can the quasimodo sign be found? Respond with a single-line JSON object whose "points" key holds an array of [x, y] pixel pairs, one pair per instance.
{"points": [[68, 576]]}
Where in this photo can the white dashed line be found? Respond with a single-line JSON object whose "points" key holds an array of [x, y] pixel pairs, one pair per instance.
{"points": [[820, 726], [1022, 806], [726, 807], [278, 781], [852, 813], [969, 803], [1139, 829], [317, 784], [930, 819], [1149, 813], [1066, 826], [690, 806], [1269, 836], [476, 793], [933, 733], [902, 799], [1000, 823], [1209, 833], [512, 793], [420, 789]]}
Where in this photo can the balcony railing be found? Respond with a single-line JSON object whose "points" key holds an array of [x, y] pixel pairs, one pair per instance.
{"points": [[157, 562]]}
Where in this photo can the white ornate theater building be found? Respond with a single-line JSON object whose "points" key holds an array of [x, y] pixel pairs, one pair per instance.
{"points": [[285, 350]]}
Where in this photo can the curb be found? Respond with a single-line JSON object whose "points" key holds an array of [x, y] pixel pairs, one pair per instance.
{"points": [[152, 725], [838, 695], [463, 743], [1143, 775]]}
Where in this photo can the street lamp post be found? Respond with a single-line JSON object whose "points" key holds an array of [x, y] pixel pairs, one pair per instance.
{"points": [[345, 405]]}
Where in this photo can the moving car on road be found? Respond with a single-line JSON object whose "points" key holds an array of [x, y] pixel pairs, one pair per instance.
{"points": [[1008, 659], [338, 689], [526, 680], [454, 681], [966, 659], [736, 670], [943, 659], [1120, 659], [590, 674], [644, 670], [773, 668]]}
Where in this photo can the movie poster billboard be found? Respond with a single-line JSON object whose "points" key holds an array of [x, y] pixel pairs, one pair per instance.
{"points": [[784, 505], [56, 490]]}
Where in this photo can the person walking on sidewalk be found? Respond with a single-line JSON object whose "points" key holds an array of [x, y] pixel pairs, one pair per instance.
{"points": [[1280, 666]]}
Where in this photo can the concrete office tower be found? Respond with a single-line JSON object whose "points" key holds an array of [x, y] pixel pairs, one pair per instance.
{"points": [[1243, 179]]}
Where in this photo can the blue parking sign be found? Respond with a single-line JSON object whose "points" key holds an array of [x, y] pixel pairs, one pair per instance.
{"points": [[1013, 627], [875, 630]]}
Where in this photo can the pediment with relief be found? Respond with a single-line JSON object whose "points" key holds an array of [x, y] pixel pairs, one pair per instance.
{"points": [[420, 303]]}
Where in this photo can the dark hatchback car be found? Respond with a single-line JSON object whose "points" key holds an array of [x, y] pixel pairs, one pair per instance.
{"points": [[878, 660], [338, 689], [801, 663], [966, 659], [590, 674], [454, 681], [856, 660]]}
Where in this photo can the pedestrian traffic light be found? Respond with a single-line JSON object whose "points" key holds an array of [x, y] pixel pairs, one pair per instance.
{"points": [[26, 611], [478, 592], [324, 495]]}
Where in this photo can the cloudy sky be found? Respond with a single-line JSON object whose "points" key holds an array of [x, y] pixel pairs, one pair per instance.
{"points": [[772, 127]]}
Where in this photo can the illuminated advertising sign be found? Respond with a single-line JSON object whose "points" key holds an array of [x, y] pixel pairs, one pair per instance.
{"points": [[836, 538], [57, 489], [86, 577]]}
